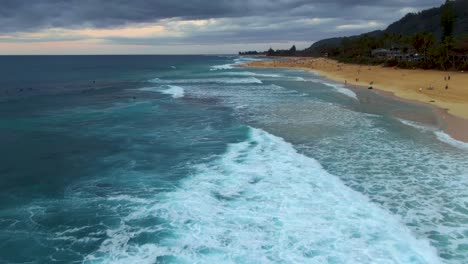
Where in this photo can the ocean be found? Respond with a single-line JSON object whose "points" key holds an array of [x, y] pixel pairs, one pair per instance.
{"points": [[191, 159]]}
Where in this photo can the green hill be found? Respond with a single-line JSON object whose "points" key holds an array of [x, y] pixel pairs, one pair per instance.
{"points": [[429, 21], [425, 21]]}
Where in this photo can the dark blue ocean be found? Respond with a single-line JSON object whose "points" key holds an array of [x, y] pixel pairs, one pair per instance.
{"points": [[192, 159]]}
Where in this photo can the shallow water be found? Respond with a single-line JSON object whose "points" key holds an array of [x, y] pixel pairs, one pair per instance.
{"points": [[184, 159]]}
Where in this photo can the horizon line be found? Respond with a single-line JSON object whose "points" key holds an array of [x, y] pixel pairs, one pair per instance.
{"points": [[142, 54]]}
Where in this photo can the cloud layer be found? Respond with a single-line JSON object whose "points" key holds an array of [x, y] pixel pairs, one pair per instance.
{"points": [[196, 22]]}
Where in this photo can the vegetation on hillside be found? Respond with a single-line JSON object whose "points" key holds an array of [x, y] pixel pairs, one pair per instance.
{"points": [[423, 45], [432, 39]]}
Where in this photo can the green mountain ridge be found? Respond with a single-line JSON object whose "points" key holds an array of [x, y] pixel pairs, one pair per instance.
{"points": [[412, 23]]}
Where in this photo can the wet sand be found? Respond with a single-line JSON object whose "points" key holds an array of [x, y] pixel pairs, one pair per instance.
{"points": [[414, 86]]}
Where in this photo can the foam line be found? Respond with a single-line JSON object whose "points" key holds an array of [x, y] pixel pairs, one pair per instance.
{"points": [[446, 138], [208, 80], [173, 90], [262, 202], [442, 136], [339, 88], [252, 74]]}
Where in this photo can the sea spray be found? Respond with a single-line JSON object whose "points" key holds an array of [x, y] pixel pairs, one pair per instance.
{"points": [[174, 91], [208, 80], [442, 136], [263, 202]]}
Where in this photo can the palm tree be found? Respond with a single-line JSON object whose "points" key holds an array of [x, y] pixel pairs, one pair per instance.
{"points": [[428, 43]]}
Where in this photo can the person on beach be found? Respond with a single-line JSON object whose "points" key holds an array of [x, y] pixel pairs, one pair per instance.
{"points": [[446, 87]]}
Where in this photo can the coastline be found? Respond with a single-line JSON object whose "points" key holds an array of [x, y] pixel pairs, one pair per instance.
{"points": [[450, 106]]}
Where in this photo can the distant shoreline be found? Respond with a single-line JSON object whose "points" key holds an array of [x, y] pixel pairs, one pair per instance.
{"points": [[415, 86]]}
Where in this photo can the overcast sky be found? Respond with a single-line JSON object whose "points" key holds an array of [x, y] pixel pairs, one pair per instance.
{"points": [[187, 26]]}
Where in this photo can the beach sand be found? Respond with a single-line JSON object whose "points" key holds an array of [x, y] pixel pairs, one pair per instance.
{"points": [[421, 86]]}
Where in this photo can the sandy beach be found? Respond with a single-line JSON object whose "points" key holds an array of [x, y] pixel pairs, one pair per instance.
{"points": [[447, 91]]}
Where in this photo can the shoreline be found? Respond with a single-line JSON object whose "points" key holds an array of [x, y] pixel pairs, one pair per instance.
{"points": [[453, 124]]}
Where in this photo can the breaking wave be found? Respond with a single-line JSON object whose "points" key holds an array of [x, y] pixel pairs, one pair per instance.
{"points": [[208, 80], [174, 91], [441, 136], [262, 202]]}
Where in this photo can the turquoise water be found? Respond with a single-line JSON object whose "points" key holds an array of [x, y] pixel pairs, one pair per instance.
{"points": [[189, 159]]}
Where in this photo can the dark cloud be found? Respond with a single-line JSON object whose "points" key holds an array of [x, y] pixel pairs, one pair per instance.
{"points": [[30, 15], [237, 21]]}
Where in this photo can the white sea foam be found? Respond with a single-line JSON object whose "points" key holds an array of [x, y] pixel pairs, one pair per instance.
{"points": [[222, 67], [252, 74], [297, 71], [229, 66], [174, 91], [128, 198], [302, 79], [299, 79], [262, 202], [209, 80], [416, 125], [150, 89], [339, 88], [242, 59], [444, 137]]}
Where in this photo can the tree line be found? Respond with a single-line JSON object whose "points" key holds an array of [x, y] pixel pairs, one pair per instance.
{"points": [[442, 51], [270, 52]]}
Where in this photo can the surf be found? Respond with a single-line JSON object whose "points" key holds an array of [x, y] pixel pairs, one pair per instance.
{"points": [[254, 74], [247, 80], [440, 135], [172, 90], [263, 202]]}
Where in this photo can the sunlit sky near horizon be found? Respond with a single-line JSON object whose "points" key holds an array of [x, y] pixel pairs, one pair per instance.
{"points": [[187, 27]]}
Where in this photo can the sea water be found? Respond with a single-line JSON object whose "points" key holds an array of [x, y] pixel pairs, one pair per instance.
{"points": [[192, 159]]}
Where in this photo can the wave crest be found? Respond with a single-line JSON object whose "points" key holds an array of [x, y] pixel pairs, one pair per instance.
{"points": [[173, 90], [209, 80], [263, 202]]}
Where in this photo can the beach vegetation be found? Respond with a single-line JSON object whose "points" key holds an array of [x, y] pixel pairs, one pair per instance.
{"points": [[447, 20], [270, 52], [292, 50], [436, 38]]}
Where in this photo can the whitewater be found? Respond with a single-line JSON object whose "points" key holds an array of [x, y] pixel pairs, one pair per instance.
{"points": [[262, 202], [194, 159]]}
